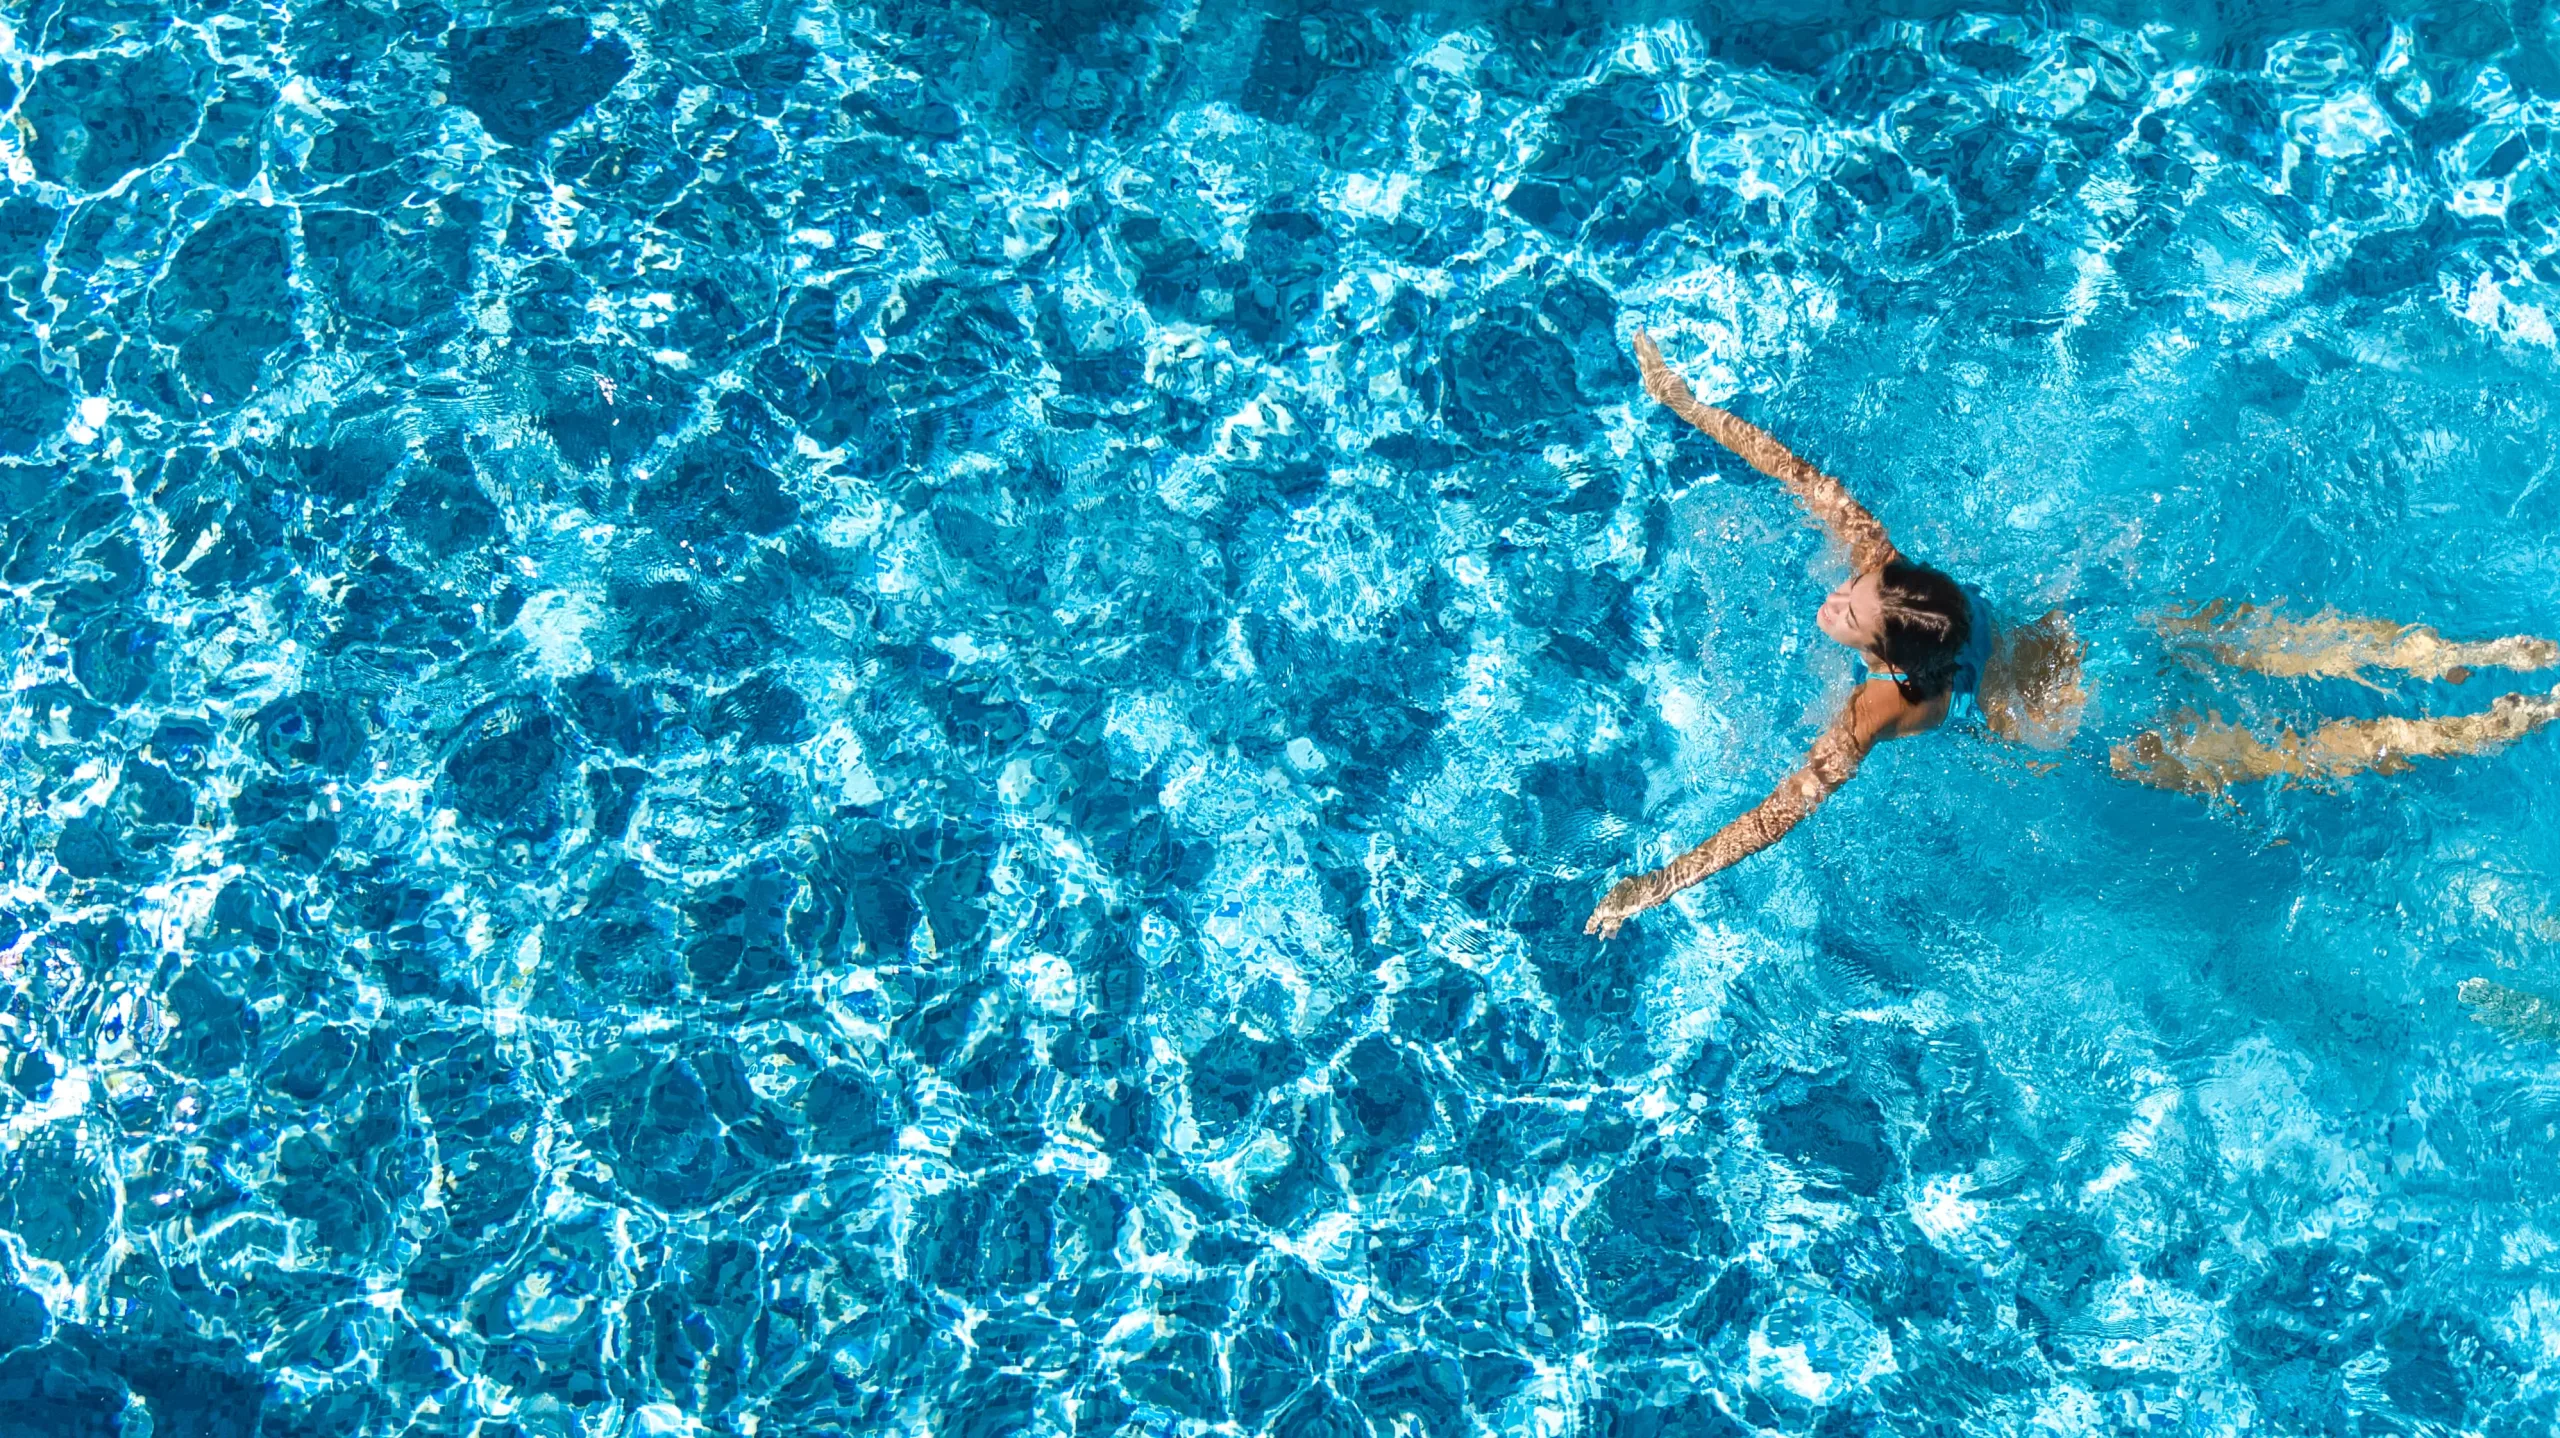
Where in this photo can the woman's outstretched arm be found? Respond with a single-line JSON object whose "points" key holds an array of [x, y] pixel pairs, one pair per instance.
{"points": [[1826, 498], [1874, 712]]}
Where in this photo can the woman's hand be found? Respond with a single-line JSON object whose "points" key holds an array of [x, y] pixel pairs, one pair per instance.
{"points": [[1627, 899]]}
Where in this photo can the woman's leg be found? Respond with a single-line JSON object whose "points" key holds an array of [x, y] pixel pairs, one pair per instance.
{"points": [[2521, 1016], [2203, 756], [2330, 645]]}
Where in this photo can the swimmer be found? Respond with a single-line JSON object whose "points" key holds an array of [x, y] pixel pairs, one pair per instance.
{"points": [[1935, 653]]}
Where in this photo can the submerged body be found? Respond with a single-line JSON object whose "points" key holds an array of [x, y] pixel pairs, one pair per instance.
{"points": [[1940, 654]]}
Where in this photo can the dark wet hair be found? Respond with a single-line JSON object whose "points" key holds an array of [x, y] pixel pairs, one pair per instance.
{"points": [[1926, 624]]}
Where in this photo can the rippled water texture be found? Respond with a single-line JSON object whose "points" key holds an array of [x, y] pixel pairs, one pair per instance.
{"points": [[895, 719]]}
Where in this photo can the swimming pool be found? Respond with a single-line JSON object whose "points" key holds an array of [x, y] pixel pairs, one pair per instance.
{"points": [[896, 719]]}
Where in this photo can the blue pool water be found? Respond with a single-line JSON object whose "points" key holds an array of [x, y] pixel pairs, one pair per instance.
{"points": [[895, 719]]}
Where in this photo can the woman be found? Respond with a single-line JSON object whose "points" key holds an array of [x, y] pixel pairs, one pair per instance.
{"points": [[1938, 654]]}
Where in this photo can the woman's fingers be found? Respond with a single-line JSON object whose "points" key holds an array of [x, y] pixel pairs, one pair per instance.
{"points": [[1622, 903]]}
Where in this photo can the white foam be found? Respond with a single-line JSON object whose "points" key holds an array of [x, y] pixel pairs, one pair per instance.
{"points": [[554, 625]]}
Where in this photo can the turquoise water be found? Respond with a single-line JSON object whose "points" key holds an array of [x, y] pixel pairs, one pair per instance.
{"points": [[896, 719]]}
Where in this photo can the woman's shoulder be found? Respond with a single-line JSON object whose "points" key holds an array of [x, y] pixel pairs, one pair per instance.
{"points": [[1880, 711]]}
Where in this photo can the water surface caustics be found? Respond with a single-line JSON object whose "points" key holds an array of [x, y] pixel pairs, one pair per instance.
{"points": [[893, 719]]}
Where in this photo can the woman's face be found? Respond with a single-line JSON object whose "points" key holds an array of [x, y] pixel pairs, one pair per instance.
{"points": [[1853, 614]]}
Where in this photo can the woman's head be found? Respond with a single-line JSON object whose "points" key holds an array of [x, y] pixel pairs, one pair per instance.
{"points": [[1906, 617]]}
